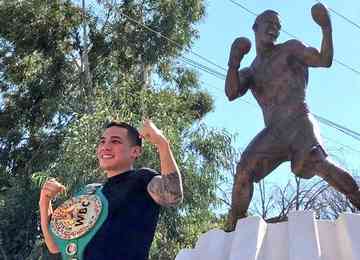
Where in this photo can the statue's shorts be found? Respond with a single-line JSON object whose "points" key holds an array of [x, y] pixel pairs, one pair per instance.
{"points": [[294, 139]]}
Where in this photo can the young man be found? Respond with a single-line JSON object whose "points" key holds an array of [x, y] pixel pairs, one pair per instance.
{"points": [[278, 79], [133, 196]]}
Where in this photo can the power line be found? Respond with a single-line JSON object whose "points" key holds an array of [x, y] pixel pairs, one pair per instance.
{"points": [[342, 16], [323, 136], [210, 71], [174, 42], [322, 120], [221, 76], [343, 145], [295, 37], [345, 18], [243, 7], [347, 66], [340, 128], [203, 67]]}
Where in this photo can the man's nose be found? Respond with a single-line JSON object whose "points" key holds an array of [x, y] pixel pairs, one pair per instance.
{"points": [[105, 147]]}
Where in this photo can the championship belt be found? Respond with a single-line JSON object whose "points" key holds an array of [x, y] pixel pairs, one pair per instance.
{"points": [[77, 220]]}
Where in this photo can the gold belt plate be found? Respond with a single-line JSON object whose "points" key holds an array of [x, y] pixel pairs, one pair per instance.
{"points": [[76, 216]]}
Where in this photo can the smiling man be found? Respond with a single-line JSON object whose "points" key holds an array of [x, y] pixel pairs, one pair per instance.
{"points": [[278, 78], [116, 219]]}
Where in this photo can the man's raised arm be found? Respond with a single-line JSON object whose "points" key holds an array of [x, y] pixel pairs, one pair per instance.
{"points": [[165, 189], [237, 82], [312, 56]]}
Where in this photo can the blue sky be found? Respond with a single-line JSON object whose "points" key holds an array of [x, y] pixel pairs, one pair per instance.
{"points": [[332, 93]]}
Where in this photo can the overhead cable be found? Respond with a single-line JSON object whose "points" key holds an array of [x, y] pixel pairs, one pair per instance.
{"points": [[174, 42], [222, 76], [342, 16], [293, 36]]}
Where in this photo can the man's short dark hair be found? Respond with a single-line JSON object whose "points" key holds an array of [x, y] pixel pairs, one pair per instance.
{"points": [[263, 15], [132, 132]]}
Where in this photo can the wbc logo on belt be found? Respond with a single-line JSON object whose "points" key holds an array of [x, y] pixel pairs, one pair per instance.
{"points": [[76, 216]]}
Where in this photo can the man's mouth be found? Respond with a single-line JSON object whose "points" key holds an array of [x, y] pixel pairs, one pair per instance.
{"points": [[107, 156], [272, 33]]}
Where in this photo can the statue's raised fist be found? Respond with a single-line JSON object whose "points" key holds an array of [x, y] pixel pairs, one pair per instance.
{"points": [[320, 15], [242, 45], [239, 48]]}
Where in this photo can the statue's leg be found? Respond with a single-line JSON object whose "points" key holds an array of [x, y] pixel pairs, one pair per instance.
{"points": [[316, 163], [309, 158], [241, 195], [340, 179], [262, 155]]}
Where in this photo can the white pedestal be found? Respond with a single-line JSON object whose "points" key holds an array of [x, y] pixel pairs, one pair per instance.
{"points": [[301, 238]]}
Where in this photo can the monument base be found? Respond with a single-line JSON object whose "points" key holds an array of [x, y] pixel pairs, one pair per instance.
{"points": [[302, 237]]}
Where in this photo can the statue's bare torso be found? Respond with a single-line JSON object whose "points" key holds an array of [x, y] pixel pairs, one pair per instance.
{"points": [[279, 82]]}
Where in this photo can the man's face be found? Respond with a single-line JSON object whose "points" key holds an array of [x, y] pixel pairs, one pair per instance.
{"points": [[115, 152], [268, 29]]}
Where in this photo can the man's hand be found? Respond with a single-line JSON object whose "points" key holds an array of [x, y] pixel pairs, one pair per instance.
{"points": [[321, 15], [151, 133], [239, 48], [166, 189], [51, 189]]}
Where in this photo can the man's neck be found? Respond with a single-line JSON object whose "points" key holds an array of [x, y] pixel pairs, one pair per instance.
{"points": [[112, 173], [264, 50]]}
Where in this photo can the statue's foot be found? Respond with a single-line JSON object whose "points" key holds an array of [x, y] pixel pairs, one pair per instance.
{"points": [[355, 199], [232, 220], [229, 226]]}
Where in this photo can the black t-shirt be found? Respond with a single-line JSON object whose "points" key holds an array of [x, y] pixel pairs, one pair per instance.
{"points": [[129, 229]]}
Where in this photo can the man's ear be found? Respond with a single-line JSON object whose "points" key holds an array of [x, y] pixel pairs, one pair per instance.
{"points": [[136, 152]]}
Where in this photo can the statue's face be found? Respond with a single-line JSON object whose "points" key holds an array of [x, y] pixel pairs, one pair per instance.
{"points": [[268, 29]]}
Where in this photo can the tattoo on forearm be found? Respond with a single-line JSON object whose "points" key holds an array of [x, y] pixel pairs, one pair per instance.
{"points": [[166, 190]]}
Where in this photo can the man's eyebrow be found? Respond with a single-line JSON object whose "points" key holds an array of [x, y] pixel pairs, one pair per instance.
{"points": [[115, 137], [111, 137]]}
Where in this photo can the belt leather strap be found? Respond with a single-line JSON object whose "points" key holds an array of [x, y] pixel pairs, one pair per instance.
{"points": [[77, 220]]}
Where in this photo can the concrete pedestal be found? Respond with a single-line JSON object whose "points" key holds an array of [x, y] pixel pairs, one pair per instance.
{"points": [[301, 238]]}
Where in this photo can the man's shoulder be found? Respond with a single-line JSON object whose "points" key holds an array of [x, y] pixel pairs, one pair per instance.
{"points": [[293, 43], [146, 173], [146, 170]]}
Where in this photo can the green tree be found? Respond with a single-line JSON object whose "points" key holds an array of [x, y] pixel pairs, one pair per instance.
{"points": [[64, 71], [35, 78]]}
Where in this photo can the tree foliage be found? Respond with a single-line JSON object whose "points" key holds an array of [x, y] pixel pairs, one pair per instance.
{"points": [[64, 72]]}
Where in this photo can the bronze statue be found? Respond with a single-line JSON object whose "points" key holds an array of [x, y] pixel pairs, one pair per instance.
{"points": [[277, 78]]}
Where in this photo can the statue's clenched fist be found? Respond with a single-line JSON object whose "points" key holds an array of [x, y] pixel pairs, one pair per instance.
{"points": [[321, 15], [239, 48]]}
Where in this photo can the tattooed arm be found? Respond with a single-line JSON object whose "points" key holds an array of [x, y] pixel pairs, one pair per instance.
{"points": [[165, 189]]}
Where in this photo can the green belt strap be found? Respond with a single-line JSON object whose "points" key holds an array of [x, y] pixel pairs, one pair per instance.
{"points": [[73, 249]]}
